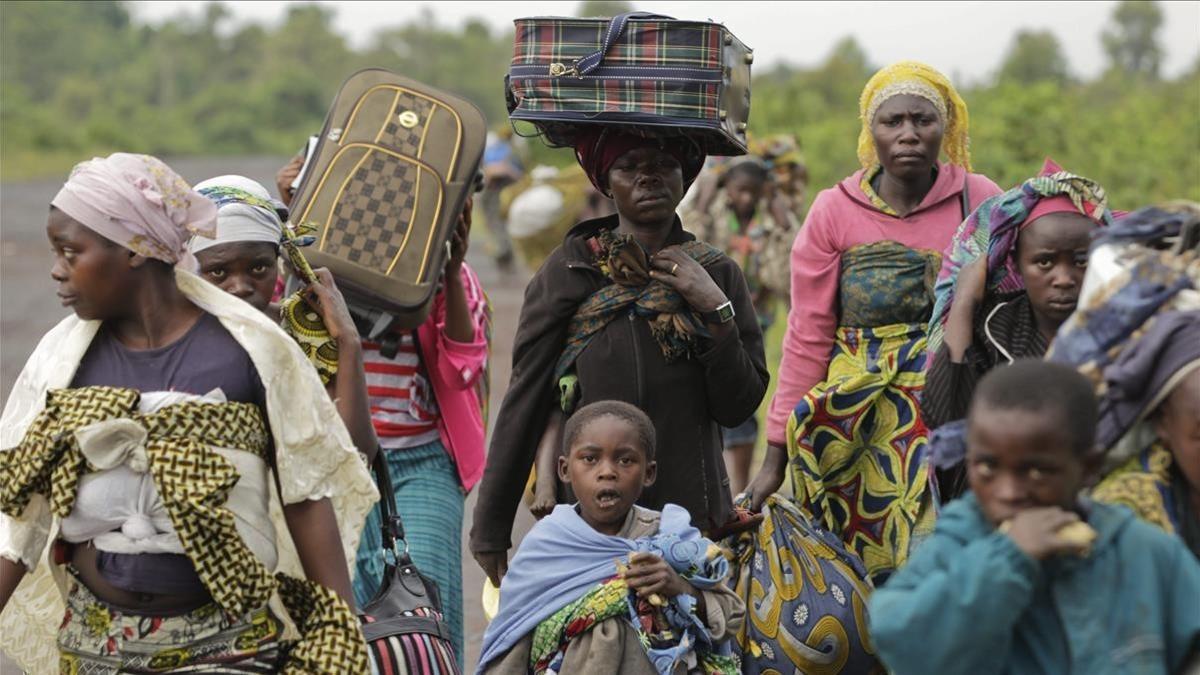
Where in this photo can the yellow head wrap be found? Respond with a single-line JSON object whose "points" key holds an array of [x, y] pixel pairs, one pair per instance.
{"points": [[918, 79]]}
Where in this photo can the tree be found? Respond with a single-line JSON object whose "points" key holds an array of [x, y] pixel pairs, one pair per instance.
{"points": [[603, 8], [1131, 41], [1035, 56]]}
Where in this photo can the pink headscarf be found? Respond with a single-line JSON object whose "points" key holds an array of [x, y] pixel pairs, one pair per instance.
{"points": [[137, 201]]}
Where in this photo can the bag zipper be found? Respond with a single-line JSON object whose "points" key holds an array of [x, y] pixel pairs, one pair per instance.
{"points": [[560, 70]]}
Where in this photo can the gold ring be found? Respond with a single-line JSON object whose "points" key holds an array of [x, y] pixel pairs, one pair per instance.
{"points": [[674, 269]]}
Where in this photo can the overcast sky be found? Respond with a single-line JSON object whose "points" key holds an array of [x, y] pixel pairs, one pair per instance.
{"points": [[967, 40]]}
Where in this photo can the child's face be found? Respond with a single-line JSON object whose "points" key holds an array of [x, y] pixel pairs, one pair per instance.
{"points": [[743, 193], [607, 469], [1020, 459]]}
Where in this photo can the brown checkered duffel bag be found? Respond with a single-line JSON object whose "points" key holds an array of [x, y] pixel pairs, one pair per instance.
{"points": [[395, 162]]}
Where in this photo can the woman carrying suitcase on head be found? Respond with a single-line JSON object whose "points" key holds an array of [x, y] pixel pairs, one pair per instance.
{"points": [[630, 307]]}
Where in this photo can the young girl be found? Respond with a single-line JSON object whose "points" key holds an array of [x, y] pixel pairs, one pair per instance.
{"points": [[142, 438], [1006, 301], [605, 586], [1025, 254], [243, 259]]}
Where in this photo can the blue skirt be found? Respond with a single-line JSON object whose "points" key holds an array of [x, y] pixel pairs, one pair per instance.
{"points": [[430, 501]]}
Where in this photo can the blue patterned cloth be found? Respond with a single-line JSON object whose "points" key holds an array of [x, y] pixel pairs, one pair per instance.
{"points": [[430, 501]]}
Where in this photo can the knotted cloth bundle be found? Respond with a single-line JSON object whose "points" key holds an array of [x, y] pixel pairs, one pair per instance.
{"points": [[675, 325], [175, 445]]}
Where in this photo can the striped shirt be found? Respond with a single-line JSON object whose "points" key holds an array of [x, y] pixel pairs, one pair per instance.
{"points": [[403, 408]]}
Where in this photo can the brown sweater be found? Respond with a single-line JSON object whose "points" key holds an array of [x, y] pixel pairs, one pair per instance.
{"points": [[688, 400]]}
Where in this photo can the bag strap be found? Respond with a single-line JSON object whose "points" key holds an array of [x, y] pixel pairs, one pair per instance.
{"points": [[965, 197], [405, 625], [393, 526], [616, 26]]}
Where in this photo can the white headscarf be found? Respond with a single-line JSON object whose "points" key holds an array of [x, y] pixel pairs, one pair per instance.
{"points": [[245, 212]]}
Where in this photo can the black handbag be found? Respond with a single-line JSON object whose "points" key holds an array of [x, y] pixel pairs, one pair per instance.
{"points": [[403, 623]]}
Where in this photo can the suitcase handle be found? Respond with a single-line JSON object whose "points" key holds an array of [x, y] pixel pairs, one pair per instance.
{"points": [[615, 27]]}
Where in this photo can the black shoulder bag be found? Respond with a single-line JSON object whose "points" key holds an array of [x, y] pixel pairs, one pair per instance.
{"points": [[403, 623]]}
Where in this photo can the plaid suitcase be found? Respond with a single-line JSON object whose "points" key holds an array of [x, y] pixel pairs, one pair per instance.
{"points": [[639, 69], [395, 162]]}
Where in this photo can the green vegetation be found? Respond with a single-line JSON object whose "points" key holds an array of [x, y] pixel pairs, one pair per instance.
{"points": [[82, 78]]}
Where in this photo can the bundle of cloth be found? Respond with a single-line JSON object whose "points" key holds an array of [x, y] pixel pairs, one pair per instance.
{"points": [[1136, 335]]}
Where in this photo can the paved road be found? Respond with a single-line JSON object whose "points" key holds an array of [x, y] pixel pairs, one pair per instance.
{"points": [[28, 308]]}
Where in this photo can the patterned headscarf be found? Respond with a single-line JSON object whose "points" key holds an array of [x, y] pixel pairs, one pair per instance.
{"points": [[137, 201], [992, 230], [917, 79], [245, 212]]}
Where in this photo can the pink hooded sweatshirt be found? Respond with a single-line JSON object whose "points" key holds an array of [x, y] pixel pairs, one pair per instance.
{"points": [[454, 368], [840, 218]]}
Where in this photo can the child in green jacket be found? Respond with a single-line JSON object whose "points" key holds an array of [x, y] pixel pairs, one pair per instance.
{"points": [[999, 588]]}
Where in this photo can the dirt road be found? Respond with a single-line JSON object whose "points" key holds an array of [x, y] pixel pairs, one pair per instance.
{"points": [[28, 308]]}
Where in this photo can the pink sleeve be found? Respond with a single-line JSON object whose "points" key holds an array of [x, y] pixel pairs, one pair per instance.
{"points": [[981, 187], [812, 321], [461, 363]]}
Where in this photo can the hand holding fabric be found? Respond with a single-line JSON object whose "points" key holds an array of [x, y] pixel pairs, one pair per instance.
{"points": [[681, 272]]}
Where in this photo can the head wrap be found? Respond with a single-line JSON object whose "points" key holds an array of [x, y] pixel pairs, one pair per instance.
{"points": [[992, 230], [917, 79], [598, 147], [245, 213], [1136, 332], [137, 201]]}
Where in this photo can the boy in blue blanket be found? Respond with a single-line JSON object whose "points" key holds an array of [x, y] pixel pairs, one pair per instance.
{"points": [[1002, 587], [605, 586]]}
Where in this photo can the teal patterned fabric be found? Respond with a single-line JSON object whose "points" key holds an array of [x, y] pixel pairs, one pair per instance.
{"points": [[885, 283]]}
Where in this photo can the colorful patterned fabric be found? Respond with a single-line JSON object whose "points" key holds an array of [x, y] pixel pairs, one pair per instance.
{"points": [[884, 283], [412, 653], [300, 319], [193, 481], [992, 230], [856, 446], [1144, 485], [551, 637], [98, 639], [912, 77], [645, 44], [675, 325], [430, 500], [805, 597]]}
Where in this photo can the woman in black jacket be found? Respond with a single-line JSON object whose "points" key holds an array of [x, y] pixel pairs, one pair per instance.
{"points": [[639, 311]]}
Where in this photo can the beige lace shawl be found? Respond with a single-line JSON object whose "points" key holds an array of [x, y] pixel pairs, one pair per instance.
{"points": [[315, 458]]}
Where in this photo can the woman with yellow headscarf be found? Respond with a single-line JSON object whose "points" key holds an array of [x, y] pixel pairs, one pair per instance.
{"points": [[845, 420]]}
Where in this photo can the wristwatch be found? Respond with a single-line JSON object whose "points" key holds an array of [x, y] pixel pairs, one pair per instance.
{"points": [[722, 314]]}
